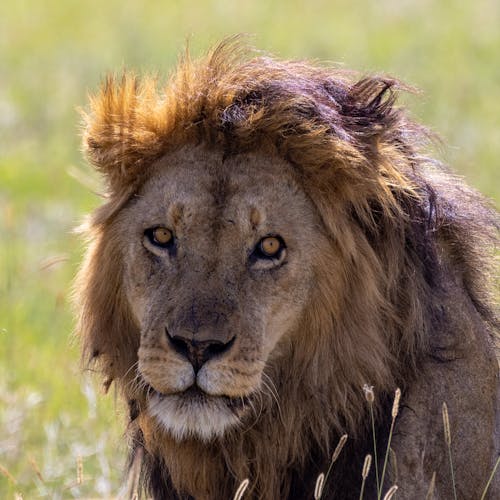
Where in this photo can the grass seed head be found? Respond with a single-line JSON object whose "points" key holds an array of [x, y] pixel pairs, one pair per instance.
{"points": [[366, 466], [369, 394], [446, 425], [395, 405], [318, 489], [79, 470], [339, 447], [390, 492], [241, 489]]}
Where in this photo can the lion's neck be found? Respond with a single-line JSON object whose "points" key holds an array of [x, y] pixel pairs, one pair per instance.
{"points": [[195, 470], [284, 464], [208, 471]]}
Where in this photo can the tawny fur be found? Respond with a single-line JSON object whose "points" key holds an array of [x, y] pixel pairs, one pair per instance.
{"points": [[409, 293]]}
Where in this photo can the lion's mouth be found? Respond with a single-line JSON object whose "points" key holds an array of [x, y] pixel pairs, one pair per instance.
{"points": [[196, 396]]}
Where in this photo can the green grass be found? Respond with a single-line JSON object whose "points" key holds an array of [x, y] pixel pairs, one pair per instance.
{"points": [[52, 53]]}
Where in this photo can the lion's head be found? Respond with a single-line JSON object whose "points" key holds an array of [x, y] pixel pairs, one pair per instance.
{"points": [[219, 262], [267, 247]]}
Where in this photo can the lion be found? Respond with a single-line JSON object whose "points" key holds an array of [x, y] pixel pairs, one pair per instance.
{"points": [[274, 238]]}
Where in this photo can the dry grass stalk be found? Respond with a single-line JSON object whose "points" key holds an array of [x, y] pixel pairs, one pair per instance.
{"points": [[447, 438], [335, 456], [36, 469], [52, 261], [79, 470], [79, 474], [394, 413], [394, 465], [242, 488], [318, 489], [391, 492], [370, 397], [432, 486], [132, 490], [7, 474], [364, 474], [497, 463]]}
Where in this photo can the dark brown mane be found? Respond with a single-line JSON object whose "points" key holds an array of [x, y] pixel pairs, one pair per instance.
{"points": [[402, 224]]}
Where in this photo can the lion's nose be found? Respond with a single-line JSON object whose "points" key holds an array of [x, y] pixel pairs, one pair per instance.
{"points": [[198, 351]]}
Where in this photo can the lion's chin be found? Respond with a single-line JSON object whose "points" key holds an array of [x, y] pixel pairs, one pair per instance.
{"points": [[195, 414]]}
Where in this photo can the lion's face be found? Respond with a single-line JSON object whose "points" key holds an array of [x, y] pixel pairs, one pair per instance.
{"points": [[218, 258]]}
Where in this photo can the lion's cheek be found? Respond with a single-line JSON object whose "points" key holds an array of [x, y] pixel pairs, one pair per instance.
{"points": [[279, 322], [137, 303]]}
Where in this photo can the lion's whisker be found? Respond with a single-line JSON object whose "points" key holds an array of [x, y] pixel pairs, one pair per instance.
{"points": [[274, 396]]}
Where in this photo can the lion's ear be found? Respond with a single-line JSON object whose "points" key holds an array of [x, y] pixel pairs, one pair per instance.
{"points": [[371, 107], [121, 135]]}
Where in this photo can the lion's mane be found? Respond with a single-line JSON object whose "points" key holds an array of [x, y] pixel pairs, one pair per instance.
{"points": [[389, 211]]}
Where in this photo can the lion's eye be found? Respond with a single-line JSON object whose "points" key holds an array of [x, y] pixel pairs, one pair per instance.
{"points": [[160, 236], [270, 247]]}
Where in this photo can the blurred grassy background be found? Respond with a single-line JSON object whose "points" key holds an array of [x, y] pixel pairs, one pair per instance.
{"points": [[52, 53]]}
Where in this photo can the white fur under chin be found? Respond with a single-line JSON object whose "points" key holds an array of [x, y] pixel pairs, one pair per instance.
{"points": [[191, 417]]}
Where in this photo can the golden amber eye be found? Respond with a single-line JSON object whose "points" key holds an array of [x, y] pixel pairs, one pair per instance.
{"points": [[162, 236], [270, 246]]}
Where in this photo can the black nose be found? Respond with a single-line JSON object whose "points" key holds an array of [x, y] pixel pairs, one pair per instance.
{"points": [[198, 351]]}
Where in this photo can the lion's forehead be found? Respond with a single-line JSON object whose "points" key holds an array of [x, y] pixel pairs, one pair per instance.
{"points": [[200, 189]]}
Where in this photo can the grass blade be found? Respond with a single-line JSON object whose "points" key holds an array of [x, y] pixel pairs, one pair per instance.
{"points": [[432, 485], [370, 397], [394, 413], [447, 438], [483, 496]]}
